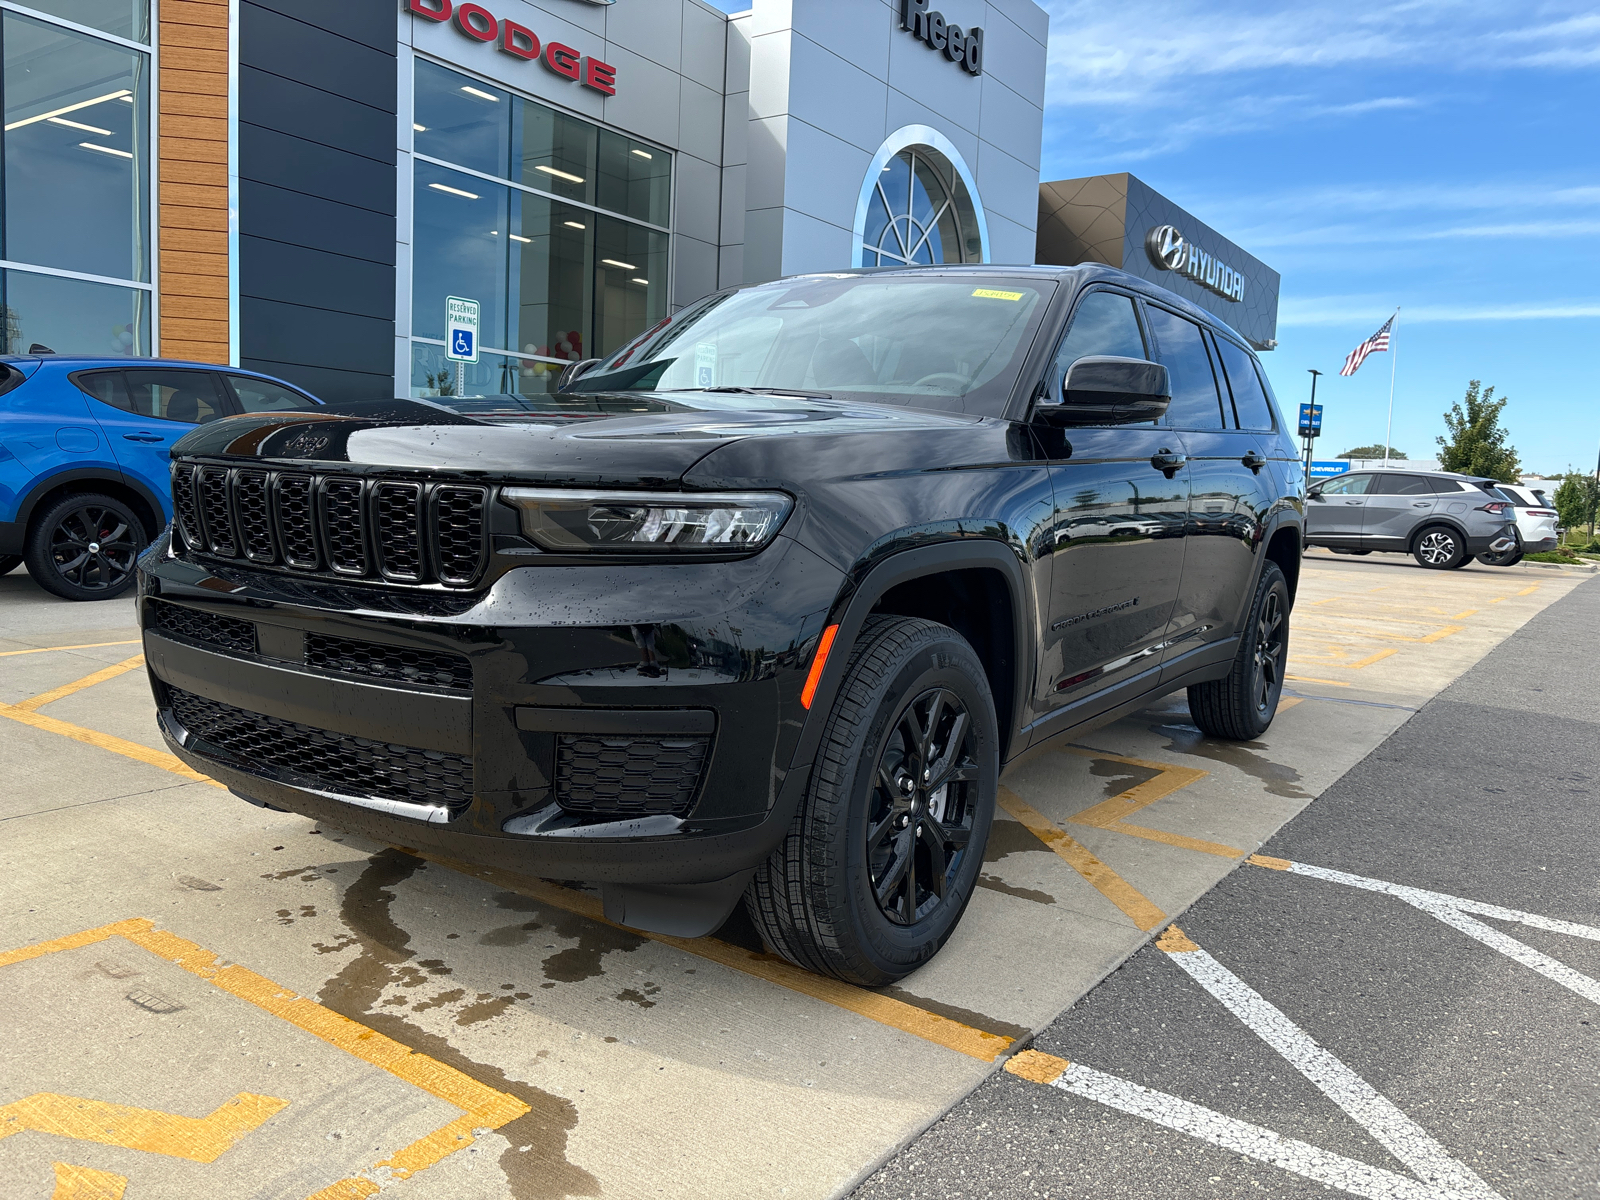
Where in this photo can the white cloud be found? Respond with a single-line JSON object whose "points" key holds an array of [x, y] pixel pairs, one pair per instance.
{"points": [[1359, 312]]}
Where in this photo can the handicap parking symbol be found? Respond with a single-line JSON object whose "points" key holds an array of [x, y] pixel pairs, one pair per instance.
{"points": [[462, 345]]}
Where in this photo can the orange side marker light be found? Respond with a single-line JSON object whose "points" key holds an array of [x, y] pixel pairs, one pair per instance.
{"points": [[817, 663]]}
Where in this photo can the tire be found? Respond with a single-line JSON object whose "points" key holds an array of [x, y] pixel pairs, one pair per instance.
{"points": [[859, 834], [1508, 558], [9, 563], [1240, 706], [85, 548], [1439, 548]]}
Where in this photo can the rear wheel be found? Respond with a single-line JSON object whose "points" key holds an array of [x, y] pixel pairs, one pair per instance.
{"points": [[1242, 704], [85, 548], [9, 563], [1439, 548], [882, 858]]}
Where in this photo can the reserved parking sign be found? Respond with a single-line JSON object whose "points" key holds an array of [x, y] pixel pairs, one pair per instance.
{"points": [[461, 329]]}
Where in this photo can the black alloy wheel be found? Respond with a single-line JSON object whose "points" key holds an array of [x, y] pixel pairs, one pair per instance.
{"points": [[886, 847], [919, 822], [85, 548], [1506, 558], [1241, 705]]}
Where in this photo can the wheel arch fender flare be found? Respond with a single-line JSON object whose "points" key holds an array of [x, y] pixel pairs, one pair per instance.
{"points": [[869, 584], [115, 482], [1449, 523]]}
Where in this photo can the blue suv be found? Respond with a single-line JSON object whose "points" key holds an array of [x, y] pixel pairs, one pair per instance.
{"points": [[85, 480]]}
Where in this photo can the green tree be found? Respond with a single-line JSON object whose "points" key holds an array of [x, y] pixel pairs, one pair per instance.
{"points": [[1373, 452], [1576, 501], [1477, 441]]}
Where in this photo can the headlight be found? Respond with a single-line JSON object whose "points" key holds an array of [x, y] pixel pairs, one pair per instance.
{"points": [[562, 520]]}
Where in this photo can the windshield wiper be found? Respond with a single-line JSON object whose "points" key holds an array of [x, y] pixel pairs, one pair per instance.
{"points": [[761, 391]]}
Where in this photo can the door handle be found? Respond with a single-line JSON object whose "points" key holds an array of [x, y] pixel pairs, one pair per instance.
{"points": [[1168, 463], [1255, 460], [143, 437]]}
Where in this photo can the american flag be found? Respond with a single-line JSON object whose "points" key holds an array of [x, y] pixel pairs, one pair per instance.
{"points": [[1378, 341]]}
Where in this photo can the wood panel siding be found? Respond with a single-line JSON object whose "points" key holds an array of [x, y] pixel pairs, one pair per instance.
{"points": [[192, 177]]}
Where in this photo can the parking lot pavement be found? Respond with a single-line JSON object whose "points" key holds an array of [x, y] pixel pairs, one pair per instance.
{"points": [[215, 998], [1397, 997]]}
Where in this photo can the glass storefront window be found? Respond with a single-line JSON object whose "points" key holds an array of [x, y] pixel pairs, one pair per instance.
{"points": [[492, 377], [555, 279], [126, 18], [919, 211], [76, 150], [71, 316]]}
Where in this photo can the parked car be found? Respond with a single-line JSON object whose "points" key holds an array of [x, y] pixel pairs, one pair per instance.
{"points": [[1442, 519], [1536, 525], [84, 469], [758, 607]]}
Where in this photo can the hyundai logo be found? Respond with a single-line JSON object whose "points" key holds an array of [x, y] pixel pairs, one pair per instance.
{"points": [[1171, 251]]}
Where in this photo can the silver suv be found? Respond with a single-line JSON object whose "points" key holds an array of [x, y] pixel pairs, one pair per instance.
{"points": [[1445, 520]]}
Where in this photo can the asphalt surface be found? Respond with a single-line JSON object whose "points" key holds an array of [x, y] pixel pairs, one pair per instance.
{"points": [[1487, 793]]}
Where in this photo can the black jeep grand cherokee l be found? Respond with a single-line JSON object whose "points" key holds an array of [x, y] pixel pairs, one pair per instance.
{"points": [[759, 607]]}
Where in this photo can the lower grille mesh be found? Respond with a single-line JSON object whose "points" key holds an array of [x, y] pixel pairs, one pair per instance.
{"points": [[353, 657], [230, 633], [606, 776], [331, 762]]}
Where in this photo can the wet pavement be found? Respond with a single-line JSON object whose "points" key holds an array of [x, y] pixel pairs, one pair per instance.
{"points": [[403, 1024]]}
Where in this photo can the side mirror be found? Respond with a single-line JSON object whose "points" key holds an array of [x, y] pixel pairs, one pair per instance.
{"points": [[572, 371], [1314, 491], [1102, 390]]}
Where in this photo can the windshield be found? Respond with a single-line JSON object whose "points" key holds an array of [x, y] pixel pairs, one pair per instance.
{"points": [[948, 342]]}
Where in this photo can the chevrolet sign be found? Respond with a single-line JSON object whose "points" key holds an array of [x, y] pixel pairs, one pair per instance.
{"points": [[1171, 251]]}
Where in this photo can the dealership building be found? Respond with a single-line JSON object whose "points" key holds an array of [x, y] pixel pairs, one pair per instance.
{"points": [[302, 186]]}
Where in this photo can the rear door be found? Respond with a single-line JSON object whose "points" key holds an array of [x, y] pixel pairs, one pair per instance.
{"points": [[1219, 553], [46, 430], [1116, 541], [1396, 504], [145, 410], [1336, 509]]}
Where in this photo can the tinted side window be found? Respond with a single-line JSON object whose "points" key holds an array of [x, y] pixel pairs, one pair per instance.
{"points": [[1403, 485], [258, 395], [1104, 324], [1195, 403], [1249, 397], [1347, 485], [106, 387], [174, 395]]}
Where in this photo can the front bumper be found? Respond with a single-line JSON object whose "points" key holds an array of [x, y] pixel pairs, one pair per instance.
{"points": [[682, 655]]}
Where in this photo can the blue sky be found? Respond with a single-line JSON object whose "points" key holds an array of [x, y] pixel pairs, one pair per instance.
{"points": [[1440, 156]]}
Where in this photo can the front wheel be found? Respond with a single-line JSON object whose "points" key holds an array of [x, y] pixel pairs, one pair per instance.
{"points": [[1439, 548], [1240, 706], [880, 862], [85, 548]]}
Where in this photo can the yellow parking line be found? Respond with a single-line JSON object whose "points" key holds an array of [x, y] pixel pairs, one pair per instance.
{"points": [[1308, 679], [885, 1010], [53, 649], [88, 681], [1528, 591], [483, 1106], [1461, 616], [1437, 636], [1102, 878], [105, 741], [1109, 814], [1368, 661]]}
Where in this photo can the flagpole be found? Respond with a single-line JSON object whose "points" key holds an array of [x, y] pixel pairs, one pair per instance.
{"points": [[1394, 357]]}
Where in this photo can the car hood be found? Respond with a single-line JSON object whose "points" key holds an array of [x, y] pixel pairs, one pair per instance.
{"points": [[640, 439]]}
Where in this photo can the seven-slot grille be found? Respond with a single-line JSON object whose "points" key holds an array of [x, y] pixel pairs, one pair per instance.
{"points": [[396, 531]]}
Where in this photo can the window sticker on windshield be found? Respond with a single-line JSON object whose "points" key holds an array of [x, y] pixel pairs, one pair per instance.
{"points": [[991, 294], [705, 364]]}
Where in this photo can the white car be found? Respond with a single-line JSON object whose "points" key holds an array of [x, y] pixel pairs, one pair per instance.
{"points": [[1536, 525]]}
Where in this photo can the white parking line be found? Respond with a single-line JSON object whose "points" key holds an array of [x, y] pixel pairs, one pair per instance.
{"points": [[1375, 1113], [1302, 1158], [1453, 910]]}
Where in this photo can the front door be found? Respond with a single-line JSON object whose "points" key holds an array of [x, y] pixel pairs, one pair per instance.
{"points": [[1395, 507], [1117, 539], [1336, 509]]}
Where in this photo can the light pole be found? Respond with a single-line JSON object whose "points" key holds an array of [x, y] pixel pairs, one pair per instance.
{"points": [[1314, 373]]}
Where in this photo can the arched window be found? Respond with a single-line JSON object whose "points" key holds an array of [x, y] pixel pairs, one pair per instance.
{"points": [[919, 204]]}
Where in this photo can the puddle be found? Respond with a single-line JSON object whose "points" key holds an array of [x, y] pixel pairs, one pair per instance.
{"points": [[1119, 777], [1008, 837], [1021, 893], [975, 1020], [1279, 779], [535, 1162]]}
